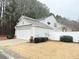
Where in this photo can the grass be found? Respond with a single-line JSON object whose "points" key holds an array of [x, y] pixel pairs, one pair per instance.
{"points": [[47, 50]]}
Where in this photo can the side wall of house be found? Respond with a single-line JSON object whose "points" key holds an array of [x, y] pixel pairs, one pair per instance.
{"points": [[41, 32]]}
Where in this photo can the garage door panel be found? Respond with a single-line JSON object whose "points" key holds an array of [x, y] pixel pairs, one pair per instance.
{"points": [[23, 34]]}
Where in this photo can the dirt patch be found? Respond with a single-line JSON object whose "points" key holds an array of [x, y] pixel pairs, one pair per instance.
{"points": [[47, 50], [3, 37]]}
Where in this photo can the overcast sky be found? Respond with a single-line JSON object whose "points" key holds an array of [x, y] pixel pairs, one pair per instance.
{"points": [[65, 8]]}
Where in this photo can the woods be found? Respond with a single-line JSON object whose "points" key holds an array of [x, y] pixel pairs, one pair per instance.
{"points": [[11, 10], [74, 25]]}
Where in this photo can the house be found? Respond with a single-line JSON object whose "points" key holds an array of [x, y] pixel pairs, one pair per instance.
{"points": [[28, 27], [52, 22]]}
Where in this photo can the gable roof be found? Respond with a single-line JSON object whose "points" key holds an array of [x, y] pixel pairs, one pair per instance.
{"points": [[34, 22]]}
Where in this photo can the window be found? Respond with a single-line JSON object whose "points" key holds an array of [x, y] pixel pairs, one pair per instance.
{"points": [[48, 23]]}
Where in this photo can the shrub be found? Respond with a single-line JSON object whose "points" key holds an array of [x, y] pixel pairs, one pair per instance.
{"points": [[10, 36], [66, 38], [44, 39], [36, 40], [40, 39]]}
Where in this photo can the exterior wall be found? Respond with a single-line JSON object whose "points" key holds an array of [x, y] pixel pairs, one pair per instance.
{"points": [[53, 23], [23, 34], [50, 19], [23, 22], [56, 35], [41, 32], [32, 31]]}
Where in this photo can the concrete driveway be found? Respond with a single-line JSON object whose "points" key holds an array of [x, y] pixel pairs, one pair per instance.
{"points": [[11, 42], [2, 56], [8, 54]]}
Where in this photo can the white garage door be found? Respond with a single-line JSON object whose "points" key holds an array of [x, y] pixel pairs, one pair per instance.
{"points": [[23, 34]]}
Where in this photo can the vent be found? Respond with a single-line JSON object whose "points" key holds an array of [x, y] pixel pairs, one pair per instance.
{"points": [[48, 23]]}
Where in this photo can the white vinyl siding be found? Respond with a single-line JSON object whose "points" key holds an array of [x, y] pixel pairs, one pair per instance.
{"points": [[23, 22], [41, 32]]}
